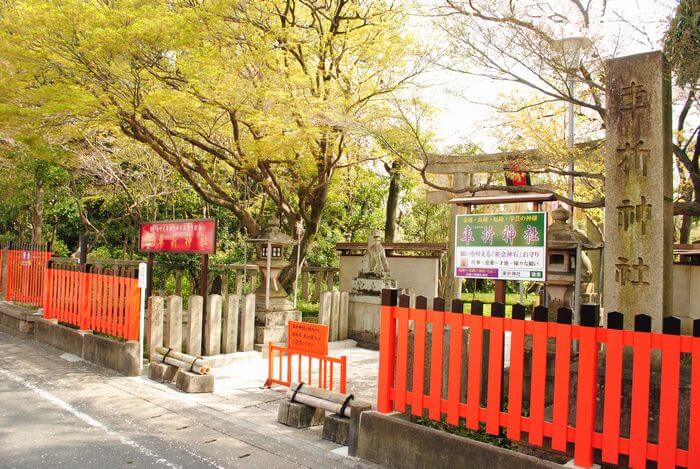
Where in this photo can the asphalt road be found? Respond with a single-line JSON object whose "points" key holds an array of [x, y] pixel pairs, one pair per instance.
{"points": [[59, 413]]}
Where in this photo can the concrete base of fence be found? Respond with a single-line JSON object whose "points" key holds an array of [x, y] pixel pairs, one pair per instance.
{"points": [[122, 357], [49, 331], [17, 321], [392, 442]]}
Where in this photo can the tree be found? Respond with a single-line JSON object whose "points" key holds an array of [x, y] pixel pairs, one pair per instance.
{"points": [[517, 43], [248, 101]]}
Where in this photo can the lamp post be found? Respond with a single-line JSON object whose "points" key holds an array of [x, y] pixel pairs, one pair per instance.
{"points": [[570, 50]]}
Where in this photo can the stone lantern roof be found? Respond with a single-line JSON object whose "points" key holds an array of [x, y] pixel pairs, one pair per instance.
{"points": [[273, 233], [561, 235]]}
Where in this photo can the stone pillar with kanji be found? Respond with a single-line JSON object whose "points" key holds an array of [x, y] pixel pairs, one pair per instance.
{"points": [[639, 188]]}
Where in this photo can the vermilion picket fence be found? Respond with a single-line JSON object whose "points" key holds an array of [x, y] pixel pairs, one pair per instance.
{"points": [[103, 303], [25, 274], [563, 359]]}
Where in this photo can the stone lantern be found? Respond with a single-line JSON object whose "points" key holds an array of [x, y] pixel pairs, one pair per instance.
{"points": [[272, 308], [562, 243]]}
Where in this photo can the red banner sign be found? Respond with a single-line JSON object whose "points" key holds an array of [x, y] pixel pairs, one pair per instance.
{"points": [[307, 337], [178, 236]]}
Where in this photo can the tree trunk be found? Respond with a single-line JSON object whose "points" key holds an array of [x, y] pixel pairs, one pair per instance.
{"points": [[392, 201], [35, 213], [686, 225]]}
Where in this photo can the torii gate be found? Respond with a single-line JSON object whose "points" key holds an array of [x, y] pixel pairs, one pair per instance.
{"points": [[458, 168]]}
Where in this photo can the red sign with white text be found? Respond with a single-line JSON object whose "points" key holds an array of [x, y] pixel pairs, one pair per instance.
{"points": [[307, 337], [178, 236]]}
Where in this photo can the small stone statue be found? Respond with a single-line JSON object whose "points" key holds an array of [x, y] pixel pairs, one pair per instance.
{"points": [[374, 263]]}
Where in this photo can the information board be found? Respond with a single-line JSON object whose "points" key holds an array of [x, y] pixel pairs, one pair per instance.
{"points": [[178, 236], [307, 337], [510, 246]]}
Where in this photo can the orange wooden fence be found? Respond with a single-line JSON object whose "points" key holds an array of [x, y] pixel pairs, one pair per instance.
{"points": [[25, 274], [587, 369], [108, 304]]}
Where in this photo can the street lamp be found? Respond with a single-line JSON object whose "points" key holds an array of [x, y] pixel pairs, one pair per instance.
{"points": [[570, 49]]}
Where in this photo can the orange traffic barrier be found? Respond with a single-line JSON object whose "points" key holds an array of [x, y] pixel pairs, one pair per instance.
{"points": [[306, 356]]}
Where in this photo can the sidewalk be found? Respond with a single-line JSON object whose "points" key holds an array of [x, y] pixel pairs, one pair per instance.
{"points": [[56, 409]]}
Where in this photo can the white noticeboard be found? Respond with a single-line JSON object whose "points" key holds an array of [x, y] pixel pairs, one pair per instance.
{"points": [[508, 246]]}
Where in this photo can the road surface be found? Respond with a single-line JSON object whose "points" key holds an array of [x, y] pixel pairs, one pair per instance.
{"points": [[56, 411]]}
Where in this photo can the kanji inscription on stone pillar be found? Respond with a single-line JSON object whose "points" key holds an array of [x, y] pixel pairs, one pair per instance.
{"points": [[638, 188]]}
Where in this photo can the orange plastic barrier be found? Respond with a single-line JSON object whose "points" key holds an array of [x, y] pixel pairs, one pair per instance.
{"points": [[103, 303], [504, 408], [25, 275], [309, 344]]}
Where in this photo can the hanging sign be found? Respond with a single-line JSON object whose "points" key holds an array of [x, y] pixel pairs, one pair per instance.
{"points": [[510, 246], [178, 236], [307, 337]]}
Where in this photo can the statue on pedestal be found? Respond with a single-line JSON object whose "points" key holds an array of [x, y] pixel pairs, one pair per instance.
{"points": [[374, 274]]}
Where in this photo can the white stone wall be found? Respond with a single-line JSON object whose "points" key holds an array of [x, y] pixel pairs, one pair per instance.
{"points": [[686, 288], [419, 273]]}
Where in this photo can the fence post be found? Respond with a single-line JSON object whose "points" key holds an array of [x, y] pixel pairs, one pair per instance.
{"points": [[387, 346], [46, 304], [586, 402], [84, 298]]}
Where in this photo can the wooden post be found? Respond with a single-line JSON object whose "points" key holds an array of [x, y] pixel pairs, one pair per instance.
{"points": [[500, 291], [317, 286], [204, 278], [329, 280], [149, 276], [305, 284]]}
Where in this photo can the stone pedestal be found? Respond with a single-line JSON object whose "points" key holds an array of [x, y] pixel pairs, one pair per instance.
{"points": [[364, 319], [294, 414], [271, 326], [194, 383], [336, 429], [162, 372]]}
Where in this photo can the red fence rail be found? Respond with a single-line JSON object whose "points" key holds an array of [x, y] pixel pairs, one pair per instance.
{"points": [[583, 366], [25, 274], [108, 304], [286, 365]]}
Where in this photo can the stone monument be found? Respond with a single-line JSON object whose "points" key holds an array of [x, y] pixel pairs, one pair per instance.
{"points": [[272, 307], [638, 188], [365, 298]]}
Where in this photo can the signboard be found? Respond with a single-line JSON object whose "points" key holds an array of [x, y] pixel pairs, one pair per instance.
{"points": [[307, 337], [26, 259], [509, 246], [178, 236]]}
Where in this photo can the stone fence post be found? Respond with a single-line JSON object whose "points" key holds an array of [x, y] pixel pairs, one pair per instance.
{"points": [[229, 334], [173, 333], [212, 330], [194, 326], [155, 325], [247, 324]]}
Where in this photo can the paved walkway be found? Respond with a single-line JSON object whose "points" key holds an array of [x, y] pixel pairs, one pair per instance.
{"points": [[57, 411]]}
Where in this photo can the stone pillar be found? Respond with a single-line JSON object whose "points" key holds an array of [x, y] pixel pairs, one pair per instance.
{"points": [[229, 333], [343, 317], [194, 326], [638, 188], [212, 330], [155, 324], [247, 324], [324, 308], [453, 285], [173, 333], [335, 316]]}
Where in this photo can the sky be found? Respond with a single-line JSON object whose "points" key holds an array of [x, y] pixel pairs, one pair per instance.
{"points": [[461, 101]]}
